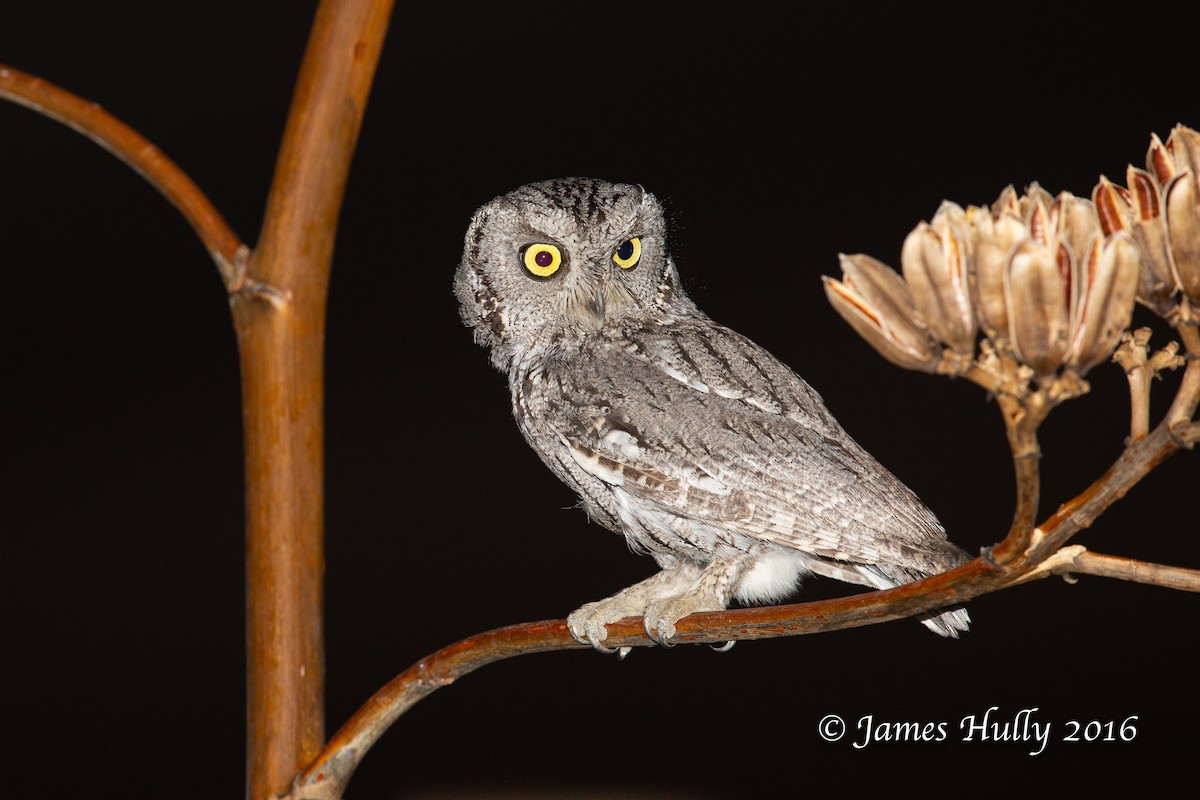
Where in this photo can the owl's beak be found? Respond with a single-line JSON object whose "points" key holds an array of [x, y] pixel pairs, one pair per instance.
{"points": [[595, 308]]}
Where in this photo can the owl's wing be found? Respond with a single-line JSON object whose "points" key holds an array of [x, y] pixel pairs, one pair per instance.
{"points": [[744, 449], [713, 359]]}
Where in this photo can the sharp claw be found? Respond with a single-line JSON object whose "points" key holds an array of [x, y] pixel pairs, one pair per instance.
{"points": [[608, 651], [593, 636], [661, 641]]}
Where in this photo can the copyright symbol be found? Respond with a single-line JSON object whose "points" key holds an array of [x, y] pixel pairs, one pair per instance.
{"points": [[831, 727]]}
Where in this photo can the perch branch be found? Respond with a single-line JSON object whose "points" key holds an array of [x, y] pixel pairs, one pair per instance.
{"points": [[327, 776], [281, 330], [135, 150]]}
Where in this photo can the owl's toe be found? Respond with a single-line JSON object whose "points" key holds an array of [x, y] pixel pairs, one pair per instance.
{"points": [[661, 616], [587, 625]]}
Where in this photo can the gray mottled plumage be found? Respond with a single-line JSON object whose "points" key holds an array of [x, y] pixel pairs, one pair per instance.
{"points": [[697, 445]]}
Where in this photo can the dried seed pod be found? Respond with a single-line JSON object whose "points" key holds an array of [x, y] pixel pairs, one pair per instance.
{"points": [[1182, 213], [1038, 220], [1156, 275], [1008, 202], [1034, 196], [1074, 221], [1109, 278], [878, 305], [1183, 146], [993, 240], [1168, 195], [954, 215], [1114, 207], [934, 263], [1159, 161], [1039, 304]]}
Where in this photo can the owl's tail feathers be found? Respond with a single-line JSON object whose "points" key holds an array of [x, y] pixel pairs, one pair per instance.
{"points": [[948, 623], [945, 623]]}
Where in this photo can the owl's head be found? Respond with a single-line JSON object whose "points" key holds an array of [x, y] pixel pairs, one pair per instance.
{"points": [[564, 259]]}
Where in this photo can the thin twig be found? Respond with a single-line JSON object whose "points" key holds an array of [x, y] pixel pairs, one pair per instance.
{"points": [[135, 150], [1183, 408], [1188, 433], [1077, 560], [1022, 417], [1132, 354], [1134, 463]]}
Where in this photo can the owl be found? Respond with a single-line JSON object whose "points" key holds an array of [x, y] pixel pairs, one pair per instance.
{"points": [[698, 446]]}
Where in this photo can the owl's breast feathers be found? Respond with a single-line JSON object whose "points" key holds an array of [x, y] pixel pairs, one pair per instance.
{"points": [[690, 437]]}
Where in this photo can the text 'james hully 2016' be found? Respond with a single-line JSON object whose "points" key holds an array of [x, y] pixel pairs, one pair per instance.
{"points": [[1025, 727]]}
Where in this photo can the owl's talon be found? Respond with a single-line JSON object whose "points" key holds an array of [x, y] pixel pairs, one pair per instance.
{"points": [[587, 626], [595, 640], [654, 633], [661, 615], [608, 651]]}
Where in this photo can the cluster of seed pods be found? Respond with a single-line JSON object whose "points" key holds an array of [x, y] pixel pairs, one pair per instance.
{"points": [[1049, 281]]}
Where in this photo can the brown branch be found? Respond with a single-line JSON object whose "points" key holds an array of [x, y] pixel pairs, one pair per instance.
{"points": [[1137, 460], [1188, 433], [1141, 368], [135, 150], [1076, 560], [1027, 469], [1023, 414], [280, 320], [1183, 407], [1132, 355], [327, 776]]}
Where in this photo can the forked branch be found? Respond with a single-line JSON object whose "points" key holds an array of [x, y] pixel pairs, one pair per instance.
{"points": [[1075, 560], [278, 298], [135, 150]]}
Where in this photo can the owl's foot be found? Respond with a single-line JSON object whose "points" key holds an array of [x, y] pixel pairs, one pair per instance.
{"points": [[662, 600], [660, 616], [588, 624], [710, 591]]}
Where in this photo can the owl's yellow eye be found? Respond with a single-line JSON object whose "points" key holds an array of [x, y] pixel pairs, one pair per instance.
{"points": [[542, 260], [628, 253]]}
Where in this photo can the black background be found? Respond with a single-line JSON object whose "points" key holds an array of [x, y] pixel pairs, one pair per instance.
{"points": [[776, 141]]}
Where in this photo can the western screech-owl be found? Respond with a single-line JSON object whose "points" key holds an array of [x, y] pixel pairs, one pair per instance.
{"points": [[697, 445]]}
